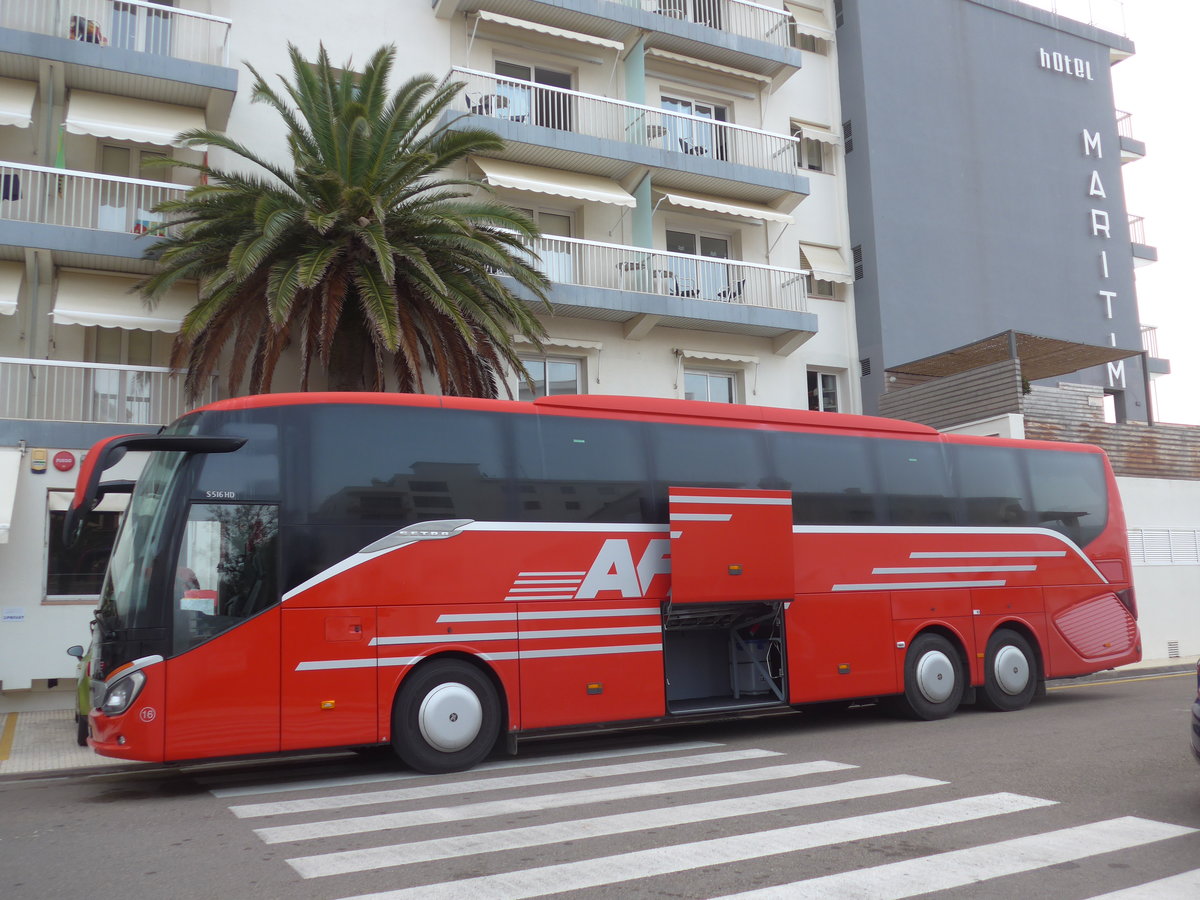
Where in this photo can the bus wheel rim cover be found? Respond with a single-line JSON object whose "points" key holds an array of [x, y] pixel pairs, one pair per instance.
{"points": [[935, 676], [1011, 669], [450, 717]]}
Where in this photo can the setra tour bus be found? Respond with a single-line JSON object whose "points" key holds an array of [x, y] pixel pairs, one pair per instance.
{"points": [[299, 571]]}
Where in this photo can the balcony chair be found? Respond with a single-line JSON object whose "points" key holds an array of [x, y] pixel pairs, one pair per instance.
{"points": [[692, 149], [732, 293]]}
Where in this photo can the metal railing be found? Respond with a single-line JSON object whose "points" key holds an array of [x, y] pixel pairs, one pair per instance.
{"points": [[1106, 14], [81, 199], [752, 20], [1124, 123], [1137, 229], [592, 264], [539, 105], [125, 25], [1150, 340], [51, 390]]}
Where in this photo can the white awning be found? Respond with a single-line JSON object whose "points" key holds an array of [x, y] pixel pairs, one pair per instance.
{"points": [[130, 119], [11, 276], [104, 299], [826, 264], [566, 343], [714, 204], [60, 501], [557, 182], [719, 357], [705, 64], [16, 102], [813, 133], [550, 30], [10, 468], [810, 21]]}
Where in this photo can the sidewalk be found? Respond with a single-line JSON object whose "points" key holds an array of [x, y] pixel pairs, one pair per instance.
{"points": [[43, 742]]}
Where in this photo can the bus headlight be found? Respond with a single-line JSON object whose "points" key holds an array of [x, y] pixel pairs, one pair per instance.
{"points": [[122, 692]]}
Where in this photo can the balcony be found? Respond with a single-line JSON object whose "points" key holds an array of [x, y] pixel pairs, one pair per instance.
{"points": [[53, 391], [1143, 253], [1131, 147], [79, 212], [129, 47], [645, 288], [1156, 364], [580, 132], [749, 36]]}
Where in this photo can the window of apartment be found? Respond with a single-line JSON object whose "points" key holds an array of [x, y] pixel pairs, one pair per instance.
{"points": [[815, 287], [141, 28], [812, 154], [714, 386], [75, 573], [123, 206], [117, 394], [555, 257], [822, 391], [535, 104], [688, 278], [551, 376], [696, 138]]}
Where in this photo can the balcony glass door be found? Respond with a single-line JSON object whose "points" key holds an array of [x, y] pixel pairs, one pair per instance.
{"points": [[556, 260], [690, 136], [119, 395], [698, 278], [138, 28], [535, 105], [114, 213]]}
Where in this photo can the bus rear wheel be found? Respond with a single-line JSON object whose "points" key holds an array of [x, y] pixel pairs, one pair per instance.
{"points": [[933, 678], [1010, 674], [446, 717]]}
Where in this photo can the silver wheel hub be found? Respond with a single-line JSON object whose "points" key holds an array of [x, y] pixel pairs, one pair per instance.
{"points": [[450, 717], [935, 676], [1011, 670]]}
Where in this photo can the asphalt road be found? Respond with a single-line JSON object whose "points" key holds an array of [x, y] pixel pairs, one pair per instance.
{"points": [[1089, 792]]}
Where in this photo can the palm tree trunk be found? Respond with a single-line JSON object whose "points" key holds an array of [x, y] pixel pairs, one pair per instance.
{"points": [[350, 352]]}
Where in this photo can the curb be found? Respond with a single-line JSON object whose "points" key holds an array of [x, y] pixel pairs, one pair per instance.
{"points": [[1181, 668]]}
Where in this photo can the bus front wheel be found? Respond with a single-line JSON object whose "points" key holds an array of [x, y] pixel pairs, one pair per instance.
{"points": [[446, 717], [1010, 673], [933, 678]]}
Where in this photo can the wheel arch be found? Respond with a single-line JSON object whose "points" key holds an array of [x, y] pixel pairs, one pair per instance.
{"points": [[957, 641], [1030, 634], [463, 656]]}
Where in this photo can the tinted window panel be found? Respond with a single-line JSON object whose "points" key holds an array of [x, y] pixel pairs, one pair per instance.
{"points": [[1069, 493], [831, 478], [916, 482], [249, 473], [993, 486], [695, 456], [395, 466], [594, 471]]}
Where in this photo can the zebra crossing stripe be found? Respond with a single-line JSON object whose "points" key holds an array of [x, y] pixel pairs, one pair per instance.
{"points": [[1184, 886], [957, 868], [283, 787], [524, 805], [539, 835], [640, 864], [476, 785]]}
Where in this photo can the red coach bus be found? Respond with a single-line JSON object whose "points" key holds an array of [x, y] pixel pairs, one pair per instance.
{"points": [[331, 570]]}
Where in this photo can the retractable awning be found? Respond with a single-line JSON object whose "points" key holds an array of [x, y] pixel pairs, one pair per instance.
{"points": [[130, 119], [813, 133], [717, 357], [11, 276], [557, 182], [826, 263], [105, 300], [16, 102], [717, 205], [549, 30], [60, 501], [683, 60], [809, 21], [10, 468]]}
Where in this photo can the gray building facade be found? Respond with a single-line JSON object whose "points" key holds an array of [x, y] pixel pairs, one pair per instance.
{"points": [[985, 196]]}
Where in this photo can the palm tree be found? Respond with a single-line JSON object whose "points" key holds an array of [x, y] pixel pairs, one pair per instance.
{"points": [[360, 251]]}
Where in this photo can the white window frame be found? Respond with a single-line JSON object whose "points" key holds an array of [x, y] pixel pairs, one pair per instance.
{"points": [[545, 359], [708, 374], [824, 378]]}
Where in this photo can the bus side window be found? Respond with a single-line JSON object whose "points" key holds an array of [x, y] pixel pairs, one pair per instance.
{"points": [[1070, 492], [831, 478], [692, 456], [594, 471], [916, 482], [992, 485]]}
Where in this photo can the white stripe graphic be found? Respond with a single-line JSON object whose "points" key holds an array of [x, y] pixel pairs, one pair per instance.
{"points": [[464, 637], [523, 762], [542, 597], [320, 665], [958, 868], [947, 570], [1184, 886], [588, 613], [739, 501], [916, 585], [524, 805], [640, 864], [496, 783], [538, 835], [478, 617], [701, 517], [986, 554], [573, 651], [548, 581], [549, 574], [538, 590]]}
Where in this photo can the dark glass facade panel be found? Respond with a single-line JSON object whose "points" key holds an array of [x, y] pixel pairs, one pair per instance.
{"points": [[832, 479], [1069, 491], [78, 570], [993, 485], [916, 482]]}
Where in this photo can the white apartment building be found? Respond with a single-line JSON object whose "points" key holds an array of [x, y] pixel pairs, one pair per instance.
{"points": [[683, 158]]}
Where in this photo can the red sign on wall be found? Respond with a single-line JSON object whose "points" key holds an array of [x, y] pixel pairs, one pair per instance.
{"points": [[64, 460]]}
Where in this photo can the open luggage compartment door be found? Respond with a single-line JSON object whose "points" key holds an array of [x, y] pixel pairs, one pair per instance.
{"points": [[730, 545]]}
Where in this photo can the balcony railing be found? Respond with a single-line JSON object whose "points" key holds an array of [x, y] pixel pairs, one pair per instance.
{"points": [[752, 20], [92, 392], [1124, 123], [125, 25], [1150, 340], [81, 199], [591, 264], [538, 105], [1137, 229]]}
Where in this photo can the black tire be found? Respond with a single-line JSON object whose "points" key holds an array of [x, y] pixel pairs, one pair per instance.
{"points": [[446, 717], [1010, 672], [81, 730], [934, 680]]}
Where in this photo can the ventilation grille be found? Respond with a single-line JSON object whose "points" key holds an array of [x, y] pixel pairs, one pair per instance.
{"points": [[839, 17], [1172, 649], [859, 270], [847, 136], [1164, 546], [865, 366]]}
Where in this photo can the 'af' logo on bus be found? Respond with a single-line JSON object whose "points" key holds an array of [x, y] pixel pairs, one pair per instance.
{"points": [[148, 714], [614, 570]]}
